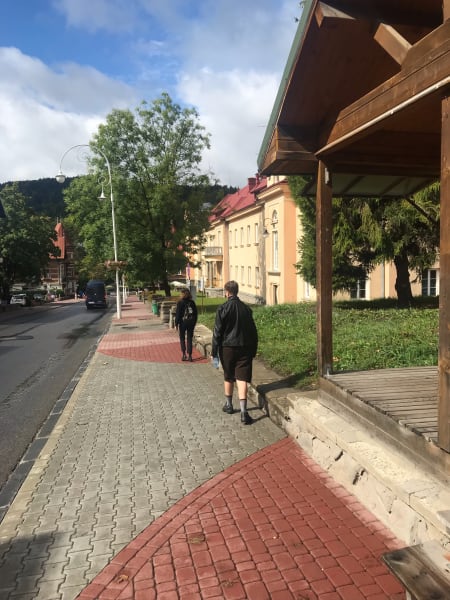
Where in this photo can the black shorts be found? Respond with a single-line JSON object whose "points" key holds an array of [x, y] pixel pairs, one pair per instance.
{"points": [[236, 363]]}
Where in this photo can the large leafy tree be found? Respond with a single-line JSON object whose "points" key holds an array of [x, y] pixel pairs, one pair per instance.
{"points": [[159, 189], [367, 232], [25, 241]]}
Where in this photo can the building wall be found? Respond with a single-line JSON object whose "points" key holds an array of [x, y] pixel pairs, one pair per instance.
{"points": [[264, 265], [244, 254]]}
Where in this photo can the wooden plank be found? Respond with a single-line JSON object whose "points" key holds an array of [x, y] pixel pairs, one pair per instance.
{"points": [[394, 43], [444, 283], [324, 230], [325, 12], [418, 573]]}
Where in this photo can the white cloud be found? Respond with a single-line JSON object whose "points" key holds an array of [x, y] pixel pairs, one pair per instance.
{"points": [[225, 57], [234, 109], [44, 112], [93, 15]]}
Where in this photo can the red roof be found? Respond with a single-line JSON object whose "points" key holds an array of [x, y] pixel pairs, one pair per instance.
{"points": [[241, 199]]}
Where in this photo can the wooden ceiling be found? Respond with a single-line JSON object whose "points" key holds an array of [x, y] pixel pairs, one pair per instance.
{"points": [[362, 91]]}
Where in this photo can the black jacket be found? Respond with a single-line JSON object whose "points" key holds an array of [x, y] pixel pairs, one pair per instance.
{"points": [[181, 305], [234, 326]]}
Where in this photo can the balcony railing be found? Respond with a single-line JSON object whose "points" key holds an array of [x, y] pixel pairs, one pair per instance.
{"points": [[213, 251]]}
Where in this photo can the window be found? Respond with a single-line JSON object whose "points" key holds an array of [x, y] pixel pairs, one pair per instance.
{"points": [[359, 290], [219, 238], [242, 236], [307, 290], [235, 238], [256, 233], [242, 275], [248, 235], [257, 278], [236, 273], [249, 276], [430, 282], [275, 265]]}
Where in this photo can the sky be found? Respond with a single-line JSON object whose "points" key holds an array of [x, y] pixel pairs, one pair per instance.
{"points": [[66, 64]]}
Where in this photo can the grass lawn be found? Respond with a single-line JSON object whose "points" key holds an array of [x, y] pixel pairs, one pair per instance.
{"points": [[366, 335]]}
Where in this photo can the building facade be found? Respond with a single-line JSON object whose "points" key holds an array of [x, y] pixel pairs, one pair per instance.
{"points": [[253, 238], [61, 273]]}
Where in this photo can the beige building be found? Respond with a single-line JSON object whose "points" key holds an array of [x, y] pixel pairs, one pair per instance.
{"points": [[253, 239]]}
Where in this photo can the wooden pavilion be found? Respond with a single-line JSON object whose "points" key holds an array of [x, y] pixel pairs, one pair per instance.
{"points": [[364, 107]]}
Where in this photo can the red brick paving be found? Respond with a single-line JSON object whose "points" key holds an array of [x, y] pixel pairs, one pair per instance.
{"points": [[149, 346], [272, 526]]}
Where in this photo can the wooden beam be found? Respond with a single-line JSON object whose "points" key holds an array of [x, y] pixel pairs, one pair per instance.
{"points": [[285, 146], [324, 269], [324, 11], [446, 9], [425, 76], [444, 285], [394, 43]]}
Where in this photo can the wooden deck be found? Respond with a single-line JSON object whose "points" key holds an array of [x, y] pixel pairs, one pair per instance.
{"points": [[399, 405], [408, 396]]}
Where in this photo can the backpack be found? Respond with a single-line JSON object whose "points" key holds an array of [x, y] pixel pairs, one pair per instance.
{"points": [[188, 314]]}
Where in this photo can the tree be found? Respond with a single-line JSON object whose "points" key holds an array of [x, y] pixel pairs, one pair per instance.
{"points": [[159, 190], [25, 241], [89, 223], [367, 232]]}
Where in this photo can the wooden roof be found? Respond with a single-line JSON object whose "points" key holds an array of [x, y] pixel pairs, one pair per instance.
{"points": [[362, 91]]}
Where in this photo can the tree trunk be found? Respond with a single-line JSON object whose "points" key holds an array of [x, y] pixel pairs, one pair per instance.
{"points": [[402, 282]]}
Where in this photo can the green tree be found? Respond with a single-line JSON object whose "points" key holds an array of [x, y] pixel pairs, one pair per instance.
{"points": [[367, 232], [159, 189], [89, 223], [25, 241]]}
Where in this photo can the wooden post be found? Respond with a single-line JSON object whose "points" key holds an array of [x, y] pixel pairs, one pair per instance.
{"points": [[444, 285], [324, 228]]}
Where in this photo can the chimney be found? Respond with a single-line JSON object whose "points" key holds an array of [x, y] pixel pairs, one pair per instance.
{"points": [[251, 183]]}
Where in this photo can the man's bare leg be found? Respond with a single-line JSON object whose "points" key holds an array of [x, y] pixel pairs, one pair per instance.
{"points": [[228, 387], [242, 387]]}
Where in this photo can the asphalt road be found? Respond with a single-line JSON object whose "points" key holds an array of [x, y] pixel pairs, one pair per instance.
{"points": [[41, 349]]}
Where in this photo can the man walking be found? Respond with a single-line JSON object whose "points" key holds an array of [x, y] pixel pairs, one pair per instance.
{"points": [[235, 341]]}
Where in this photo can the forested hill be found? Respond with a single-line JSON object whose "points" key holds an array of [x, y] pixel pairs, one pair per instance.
{"points": [[46, 195]]}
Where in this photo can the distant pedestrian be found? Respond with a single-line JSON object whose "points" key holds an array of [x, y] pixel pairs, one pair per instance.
{"points": [[185, 321], [235, 341]]}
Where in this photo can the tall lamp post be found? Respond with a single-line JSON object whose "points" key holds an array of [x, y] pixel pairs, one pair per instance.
{"points": [[60, 178]]}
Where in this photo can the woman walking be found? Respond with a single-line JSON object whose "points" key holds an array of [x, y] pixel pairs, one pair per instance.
{"points": [[185, 320]]}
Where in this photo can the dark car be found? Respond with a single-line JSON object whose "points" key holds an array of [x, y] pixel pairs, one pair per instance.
{"points": [[96, 294]]}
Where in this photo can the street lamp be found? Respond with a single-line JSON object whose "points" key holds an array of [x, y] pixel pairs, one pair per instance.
{"points": [[60, 178]]}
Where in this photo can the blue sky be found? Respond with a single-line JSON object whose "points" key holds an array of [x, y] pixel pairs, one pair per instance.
{"points": [[66, 64]]}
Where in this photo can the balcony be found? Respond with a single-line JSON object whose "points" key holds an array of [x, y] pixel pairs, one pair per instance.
{"points": [[213, 251]]}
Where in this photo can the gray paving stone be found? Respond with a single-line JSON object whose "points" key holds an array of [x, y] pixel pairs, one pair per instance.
{"points": [[81, 543], [49, 590], [101, 547], [150, 434], [54, 571]]}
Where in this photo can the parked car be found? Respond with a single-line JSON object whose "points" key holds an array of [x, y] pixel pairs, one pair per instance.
{"points": [[19, 299], [39, 297]]}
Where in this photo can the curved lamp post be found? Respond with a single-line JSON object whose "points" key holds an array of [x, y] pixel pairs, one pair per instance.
{"points": [[60, 178]]}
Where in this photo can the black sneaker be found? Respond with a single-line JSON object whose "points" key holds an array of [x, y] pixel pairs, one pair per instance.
{"points": [[227, 408], [246, 418]]}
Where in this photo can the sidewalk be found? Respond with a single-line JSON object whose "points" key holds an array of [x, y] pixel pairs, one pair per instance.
{"points": [[146, 489]]}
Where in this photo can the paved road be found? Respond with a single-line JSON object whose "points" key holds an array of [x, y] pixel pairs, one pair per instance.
{"points": [[148, 490], [41, 349]]}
